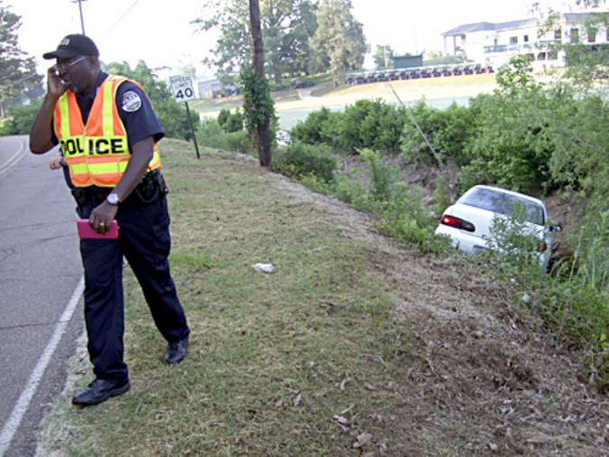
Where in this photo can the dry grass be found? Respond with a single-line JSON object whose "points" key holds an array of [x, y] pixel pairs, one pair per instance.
{"points": [[353, 346]]}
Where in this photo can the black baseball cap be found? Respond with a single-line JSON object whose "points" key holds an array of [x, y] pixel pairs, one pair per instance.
{"points": [[73, 46]]}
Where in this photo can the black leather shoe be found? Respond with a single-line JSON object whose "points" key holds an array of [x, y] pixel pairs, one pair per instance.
{"points": [[176, 351], [98, 391]]}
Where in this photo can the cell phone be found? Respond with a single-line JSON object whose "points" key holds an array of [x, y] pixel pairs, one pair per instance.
{"points": [[56, 73], [87, 232]]}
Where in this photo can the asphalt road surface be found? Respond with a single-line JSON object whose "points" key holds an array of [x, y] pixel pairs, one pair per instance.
{"points": [[40, 275]]}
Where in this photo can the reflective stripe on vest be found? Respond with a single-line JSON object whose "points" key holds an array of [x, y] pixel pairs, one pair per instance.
{"points": [[98, 153]]}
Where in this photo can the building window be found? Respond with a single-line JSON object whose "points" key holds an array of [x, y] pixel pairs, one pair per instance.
{"points": [[574, 35], [591, 35], [541, 56], [558, 35], [513, 40], [526, 38]]}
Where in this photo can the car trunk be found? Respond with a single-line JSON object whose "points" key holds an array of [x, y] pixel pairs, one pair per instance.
{"points": [[483, 219]]}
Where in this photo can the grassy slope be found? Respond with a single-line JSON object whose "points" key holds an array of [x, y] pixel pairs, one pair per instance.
{"points": [[351, 336]]}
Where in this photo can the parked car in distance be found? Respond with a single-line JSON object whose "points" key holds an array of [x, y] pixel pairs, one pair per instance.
{"points": [[371, 78], [469, 220], [404, 74], [458, 70], [415, 73], [436, 72], [426, 72], [468, 69], [479, 69], [447, 71]]}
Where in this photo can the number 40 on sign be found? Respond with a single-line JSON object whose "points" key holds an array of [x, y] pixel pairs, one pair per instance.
{"points": [[181, 88]]}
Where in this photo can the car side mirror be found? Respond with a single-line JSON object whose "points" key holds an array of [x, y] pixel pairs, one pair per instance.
{"points": [[556, 228]]}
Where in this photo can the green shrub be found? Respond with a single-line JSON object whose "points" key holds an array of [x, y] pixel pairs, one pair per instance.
{"points": [[441, 196], [20, 119], [447, 130], [349, 187], [223, 116], [404, 217], [234, 122], [240, 141], [300, 160], [230, 122], [511, 242], [320, 127], [372, 124], [381, 175]]}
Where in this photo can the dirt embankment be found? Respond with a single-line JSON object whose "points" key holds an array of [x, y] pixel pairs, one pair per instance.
{"points": [[487, 378]]}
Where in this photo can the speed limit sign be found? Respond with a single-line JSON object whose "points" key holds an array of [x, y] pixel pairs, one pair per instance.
{"points": [[181, 88]]}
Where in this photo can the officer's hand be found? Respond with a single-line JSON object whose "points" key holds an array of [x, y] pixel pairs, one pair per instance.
{"points": [[56, 162], [102, 216], [55, 85]]}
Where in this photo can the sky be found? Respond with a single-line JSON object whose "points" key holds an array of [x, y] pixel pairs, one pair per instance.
{"points": [[161, 33]]}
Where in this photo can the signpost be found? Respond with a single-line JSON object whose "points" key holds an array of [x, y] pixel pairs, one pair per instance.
{"points": [[182, 90]]}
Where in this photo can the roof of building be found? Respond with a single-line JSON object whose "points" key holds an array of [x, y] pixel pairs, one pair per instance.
{"points": [[408, 56], [577, 17], [482, 26]]}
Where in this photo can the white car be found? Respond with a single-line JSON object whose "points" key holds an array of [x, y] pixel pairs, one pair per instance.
{"points": [[468, 222]]}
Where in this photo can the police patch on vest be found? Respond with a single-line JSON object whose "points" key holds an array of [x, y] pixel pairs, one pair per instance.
{"points": [[131, 102]]}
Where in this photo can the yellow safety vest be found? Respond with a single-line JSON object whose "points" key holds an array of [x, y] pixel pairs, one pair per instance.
{"points": [[97, 154]]}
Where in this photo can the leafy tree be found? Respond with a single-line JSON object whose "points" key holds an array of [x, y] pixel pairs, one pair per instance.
{"points": [[21, 118], [383, 57], [18, 78], [339, 42], [171, 114], [287, 26]]}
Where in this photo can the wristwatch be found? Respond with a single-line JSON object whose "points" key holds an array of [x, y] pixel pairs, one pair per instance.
{"points": [[112, 199]]}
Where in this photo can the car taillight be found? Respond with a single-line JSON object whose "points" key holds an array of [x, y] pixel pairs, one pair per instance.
{"points": [[456, 222]]}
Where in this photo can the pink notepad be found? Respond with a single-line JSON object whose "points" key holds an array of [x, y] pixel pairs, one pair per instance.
{"points": [[86, 231]]}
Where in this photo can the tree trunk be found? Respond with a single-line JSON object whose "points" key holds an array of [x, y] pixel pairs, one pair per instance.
{"points": [[264, 130]]}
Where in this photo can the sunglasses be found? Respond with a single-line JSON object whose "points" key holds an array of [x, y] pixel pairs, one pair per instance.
{"points": [[66, 66]]}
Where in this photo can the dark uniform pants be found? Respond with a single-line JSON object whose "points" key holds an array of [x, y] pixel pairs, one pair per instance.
{"points": [[145, 242]]}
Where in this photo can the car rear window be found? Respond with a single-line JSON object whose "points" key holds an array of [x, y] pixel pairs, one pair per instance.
{"points": [[501, 203]]}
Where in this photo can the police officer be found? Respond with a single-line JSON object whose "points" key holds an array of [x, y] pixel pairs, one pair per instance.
{"points": [[109, 134]]}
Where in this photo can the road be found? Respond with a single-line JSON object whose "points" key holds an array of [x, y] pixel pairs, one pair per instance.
{"points": [[40, 270]]}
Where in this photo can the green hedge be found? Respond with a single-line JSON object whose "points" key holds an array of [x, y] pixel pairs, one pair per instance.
{"points": [[300, 160]]}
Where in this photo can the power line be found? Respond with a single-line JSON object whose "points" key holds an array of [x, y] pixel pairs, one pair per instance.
{"points": [[123, 16]]}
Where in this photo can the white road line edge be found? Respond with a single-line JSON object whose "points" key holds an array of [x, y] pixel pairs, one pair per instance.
{"points": [[14, 160], [22, 405]]}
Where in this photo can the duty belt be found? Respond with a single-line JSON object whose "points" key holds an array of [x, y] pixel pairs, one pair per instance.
{"points": [[151, 188]]}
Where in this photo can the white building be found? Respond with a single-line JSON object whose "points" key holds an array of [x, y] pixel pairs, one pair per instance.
{"points": [[495, 44]]}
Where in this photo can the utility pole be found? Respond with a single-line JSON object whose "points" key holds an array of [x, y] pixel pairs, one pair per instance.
{"points": [[82, 21]]}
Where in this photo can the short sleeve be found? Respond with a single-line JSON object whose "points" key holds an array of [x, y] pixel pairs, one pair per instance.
{"points": [[135, 110]]}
